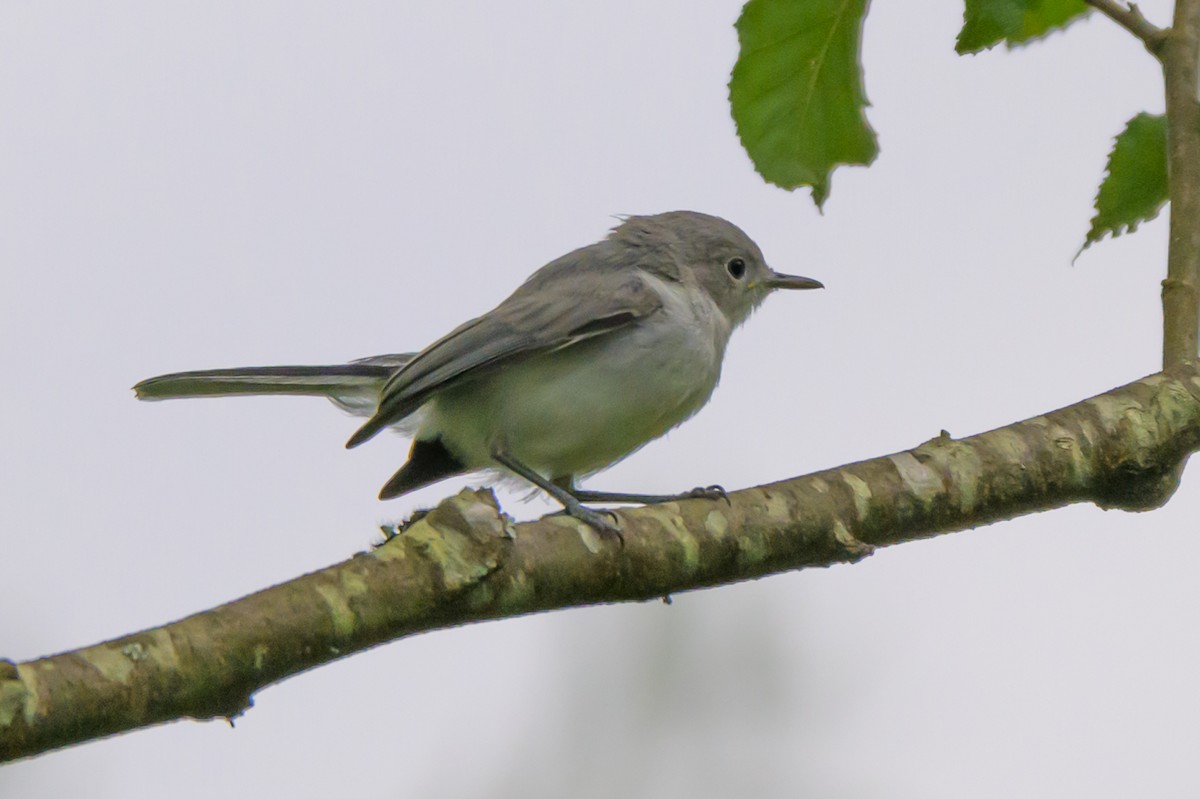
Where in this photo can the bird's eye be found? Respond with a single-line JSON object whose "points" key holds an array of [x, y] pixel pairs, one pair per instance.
{"points": [[737, 268]]}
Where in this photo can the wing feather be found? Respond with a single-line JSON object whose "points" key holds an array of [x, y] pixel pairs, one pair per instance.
{"points": [[558, 307]]}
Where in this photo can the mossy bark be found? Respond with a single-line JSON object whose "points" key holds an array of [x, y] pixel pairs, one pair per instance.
{"points": [[465, 561]]}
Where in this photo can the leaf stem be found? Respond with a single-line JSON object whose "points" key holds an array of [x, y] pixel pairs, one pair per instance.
{"points": [[1130, 18], [1180, 54]]}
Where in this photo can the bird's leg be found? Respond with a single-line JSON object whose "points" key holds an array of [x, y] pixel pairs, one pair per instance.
{"points": [[601, 520], [704, 492]]}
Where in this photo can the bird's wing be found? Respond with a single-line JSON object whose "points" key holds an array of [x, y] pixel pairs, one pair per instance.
{"points": [[556, 308]]}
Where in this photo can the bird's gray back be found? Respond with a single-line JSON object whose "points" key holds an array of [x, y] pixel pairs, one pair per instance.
{"points": [[585, 293]]}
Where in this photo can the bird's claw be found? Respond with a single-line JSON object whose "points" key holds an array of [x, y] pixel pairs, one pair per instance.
{"points": [[709, 492], [604, 522]]}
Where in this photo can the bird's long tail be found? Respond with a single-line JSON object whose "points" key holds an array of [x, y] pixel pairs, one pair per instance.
{"points": [[353, 386]]}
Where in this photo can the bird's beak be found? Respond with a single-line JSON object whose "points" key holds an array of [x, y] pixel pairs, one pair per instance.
{"points": [[777, 281]]}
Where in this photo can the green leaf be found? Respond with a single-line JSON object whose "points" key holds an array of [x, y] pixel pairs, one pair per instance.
{"points": [[796, 92], [1135, 188], [986, 23]]}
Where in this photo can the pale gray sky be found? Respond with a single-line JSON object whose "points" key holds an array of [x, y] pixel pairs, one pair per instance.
{"points": [[191, 185]]}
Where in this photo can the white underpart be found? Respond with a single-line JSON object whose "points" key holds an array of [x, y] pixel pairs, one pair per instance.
{"points": [[580, 409]]}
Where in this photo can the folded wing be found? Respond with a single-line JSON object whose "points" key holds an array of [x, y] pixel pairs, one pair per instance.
{"points": [[559, 306]]}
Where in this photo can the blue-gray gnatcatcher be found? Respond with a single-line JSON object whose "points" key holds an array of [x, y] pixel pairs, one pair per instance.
{"points": [[596, 354]]}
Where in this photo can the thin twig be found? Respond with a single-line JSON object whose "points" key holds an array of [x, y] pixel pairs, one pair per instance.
{"points": [[1130, 18], [1181, 290]]}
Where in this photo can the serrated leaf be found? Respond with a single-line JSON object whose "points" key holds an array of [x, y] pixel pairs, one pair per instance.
{"points": [[1135, 188], [986, 23], [796, 93]]}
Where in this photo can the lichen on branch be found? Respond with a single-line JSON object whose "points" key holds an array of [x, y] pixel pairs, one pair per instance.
{"points": [[465, 561]]}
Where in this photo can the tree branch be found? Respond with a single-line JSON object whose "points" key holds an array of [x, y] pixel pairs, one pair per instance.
{"points": [[1130, 18], [465, 561], [1181, 290]]}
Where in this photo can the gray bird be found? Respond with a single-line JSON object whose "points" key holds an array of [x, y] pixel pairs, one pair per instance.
{"points": [[598, 353]]}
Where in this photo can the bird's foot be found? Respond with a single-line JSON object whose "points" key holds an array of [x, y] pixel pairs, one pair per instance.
{"points": [[704, 492], [602, 521], [707, 492]]}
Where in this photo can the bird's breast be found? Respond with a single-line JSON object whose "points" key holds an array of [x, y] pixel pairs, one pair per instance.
{"points": [[577, 410]]}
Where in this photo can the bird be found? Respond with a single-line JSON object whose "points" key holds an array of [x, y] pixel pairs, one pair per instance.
{"points": [[595, 355]]}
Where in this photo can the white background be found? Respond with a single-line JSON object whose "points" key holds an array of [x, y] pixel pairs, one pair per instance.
{"points": [[192, 185]]}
